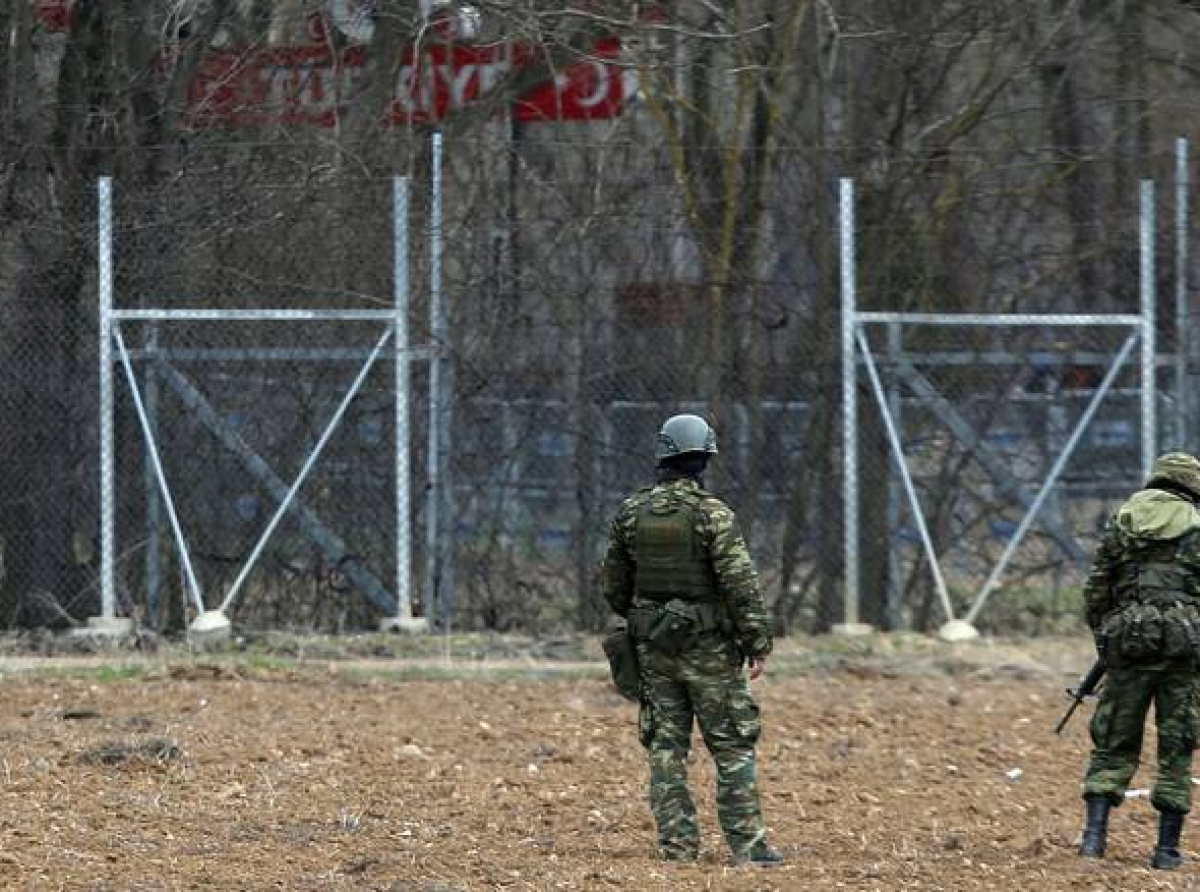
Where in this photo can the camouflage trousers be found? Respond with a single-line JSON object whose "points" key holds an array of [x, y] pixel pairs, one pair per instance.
{"points": [[706, 683], [1117, 734]]}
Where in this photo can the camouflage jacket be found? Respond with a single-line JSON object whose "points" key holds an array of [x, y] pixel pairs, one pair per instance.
{"points": [[733, 568], [1153, 520]]}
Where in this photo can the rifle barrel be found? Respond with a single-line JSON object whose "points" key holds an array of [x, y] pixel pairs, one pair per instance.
{"points": [[1086, 688], [1075, 701]]}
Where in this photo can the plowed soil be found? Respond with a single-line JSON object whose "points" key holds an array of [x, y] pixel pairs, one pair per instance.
{"points": [[224, 778]]}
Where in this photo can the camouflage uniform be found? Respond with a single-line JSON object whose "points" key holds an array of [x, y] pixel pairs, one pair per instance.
{"points": [[704, 680], [1150, 549]]}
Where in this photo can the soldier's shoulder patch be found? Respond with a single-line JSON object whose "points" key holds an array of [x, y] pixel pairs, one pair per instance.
{"points": [[708, 500], [715, 509], [636, 500]]}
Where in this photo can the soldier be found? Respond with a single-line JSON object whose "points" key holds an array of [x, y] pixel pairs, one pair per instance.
{"points": [[1142, 599], [678, 570]]}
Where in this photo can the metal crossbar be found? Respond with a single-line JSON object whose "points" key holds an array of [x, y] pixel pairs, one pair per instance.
{"points": [[263, 315], [269, 354], [1004, 320]]}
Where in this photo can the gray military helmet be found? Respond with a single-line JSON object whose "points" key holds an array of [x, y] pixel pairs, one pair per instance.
{"points": [[1178, 468], [685, 433]]}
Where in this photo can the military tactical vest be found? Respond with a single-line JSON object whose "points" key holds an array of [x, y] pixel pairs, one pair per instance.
{"points": [[671, 560], [1156, 618]]}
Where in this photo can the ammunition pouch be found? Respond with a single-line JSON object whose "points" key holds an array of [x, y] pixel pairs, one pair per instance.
{"points": [[672, 627], [622, 656], [673, 630], [1154, 628]]}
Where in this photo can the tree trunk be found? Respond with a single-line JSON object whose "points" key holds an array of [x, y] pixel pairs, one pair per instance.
{"points": [[42, 468], [47, 456]]}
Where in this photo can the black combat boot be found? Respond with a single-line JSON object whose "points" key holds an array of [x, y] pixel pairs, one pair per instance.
{"points": [[759, 855], [1095, 834], [763, 855], [679, 851], [1166, 854]]}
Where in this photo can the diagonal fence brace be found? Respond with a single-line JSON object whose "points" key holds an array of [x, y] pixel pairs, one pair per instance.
{"points": [[935, 567], [1052, 478], [286, 502], [988, 459], [331, 545], [152, 447]]}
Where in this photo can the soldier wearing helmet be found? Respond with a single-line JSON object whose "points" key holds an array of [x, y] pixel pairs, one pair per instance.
{"points": [[1143, 605], [678, 570]]}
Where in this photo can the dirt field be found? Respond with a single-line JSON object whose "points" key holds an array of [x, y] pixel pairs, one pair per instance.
{"points": [[211, 777]]}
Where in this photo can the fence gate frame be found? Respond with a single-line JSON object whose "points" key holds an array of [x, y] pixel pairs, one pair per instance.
{"points": [[394, 323], [856, 350]]}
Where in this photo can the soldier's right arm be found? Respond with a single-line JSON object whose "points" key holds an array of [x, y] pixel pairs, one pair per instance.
{"points": [[737, 581], [618, 568], [1097, 590], [1190, 558]]}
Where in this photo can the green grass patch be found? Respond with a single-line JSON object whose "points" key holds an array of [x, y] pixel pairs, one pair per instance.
{"points": [[468, 673]]}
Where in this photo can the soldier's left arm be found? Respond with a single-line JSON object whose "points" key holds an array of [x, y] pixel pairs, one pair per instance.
{"points": [[1097, 589], [737, 580]]}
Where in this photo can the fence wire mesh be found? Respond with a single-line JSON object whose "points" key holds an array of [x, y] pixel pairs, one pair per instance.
{"points": [[985, 417], [591, 292]]}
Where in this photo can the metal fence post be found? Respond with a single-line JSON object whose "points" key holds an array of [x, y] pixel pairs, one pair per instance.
{"points": [[447, 527], [895, 348], [403, 620], [1148, 376], [1182, 334], [153, 562], [850, 623], [107, 623], [437, 327]]}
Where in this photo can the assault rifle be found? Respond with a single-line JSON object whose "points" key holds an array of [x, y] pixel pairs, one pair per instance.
{"points": [[1086, 688]]}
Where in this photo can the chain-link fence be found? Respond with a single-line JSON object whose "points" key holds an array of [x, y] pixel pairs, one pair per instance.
{"points": [[592, 288], [1027, 413]]}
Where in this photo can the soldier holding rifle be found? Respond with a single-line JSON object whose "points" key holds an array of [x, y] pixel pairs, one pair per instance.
{"points": [[1143, 605]]}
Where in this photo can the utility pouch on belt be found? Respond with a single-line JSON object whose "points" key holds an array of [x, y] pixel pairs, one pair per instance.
{"points": [[674, 628], [1181, 632], [1154, 630], [623, 662]]}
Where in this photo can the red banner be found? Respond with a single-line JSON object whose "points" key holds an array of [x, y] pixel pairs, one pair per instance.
{"points": [[53, 14], [310, 86]]}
